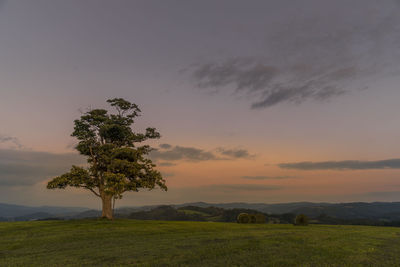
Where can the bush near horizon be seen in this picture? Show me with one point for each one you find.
(251, 218)
(243, 218)
(260, 218)
(301, 220)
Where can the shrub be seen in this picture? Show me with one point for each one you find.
(301, 220)
(260, 218)
(272, 220)
(243, 218)
(252, 218)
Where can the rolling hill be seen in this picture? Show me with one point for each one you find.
(338, 213)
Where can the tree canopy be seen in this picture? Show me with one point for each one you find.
(117, 161)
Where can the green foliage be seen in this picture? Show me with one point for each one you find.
(301, 220)
(243, 218)
(76, 177)
(252, 218)
(260, 218)
(116, 161)
(230, 215)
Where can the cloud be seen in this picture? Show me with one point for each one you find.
(175, 153)
(235, 153)
(273, 84)
(182, 153)
(312, 56)
(165, 146)
(6, 139)
(343, 165)
(268, 82)
(266, 177)
(22, 168)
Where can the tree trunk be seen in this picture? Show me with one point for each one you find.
(107, 211)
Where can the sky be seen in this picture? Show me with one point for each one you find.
(256, 101)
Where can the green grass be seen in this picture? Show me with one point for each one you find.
(158, 243)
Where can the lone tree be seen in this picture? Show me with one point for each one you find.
(116, 161)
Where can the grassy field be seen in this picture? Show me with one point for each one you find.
(158, 243)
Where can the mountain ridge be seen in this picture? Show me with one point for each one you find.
(346, 210)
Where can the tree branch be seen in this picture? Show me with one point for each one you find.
(94, 192)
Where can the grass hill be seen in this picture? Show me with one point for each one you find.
(161, 243)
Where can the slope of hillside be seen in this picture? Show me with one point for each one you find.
(160, 243)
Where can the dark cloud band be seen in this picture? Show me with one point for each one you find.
(169, 153)
(22, 168)
(235, 153)
(266, 177)
(343, 165)
(175, 153)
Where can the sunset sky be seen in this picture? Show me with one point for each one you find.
(256, 101)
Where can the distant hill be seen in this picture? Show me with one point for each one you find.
(9, 211)
(193, 213)
(354, 210)
(87, 214)
(376, 210)
(34, 216)
(374, 213)
(262, 207)
(340, 215)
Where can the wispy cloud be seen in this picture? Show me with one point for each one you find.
(165, 146)
(7, 139)
(235, 153)
(343, 165)
(271, 83)
(266, 177)
(312, 56)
